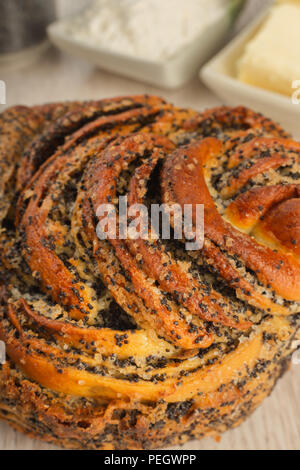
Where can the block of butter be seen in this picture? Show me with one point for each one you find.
(271, 59)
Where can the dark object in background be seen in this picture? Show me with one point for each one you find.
(23, 23)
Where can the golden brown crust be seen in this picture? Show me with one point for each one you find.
(133, 344)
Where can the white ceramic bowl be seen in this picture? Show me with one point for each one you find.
(172, 73)
(220, 76)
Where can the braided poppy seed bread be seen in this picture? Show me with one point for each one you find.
(139, 344)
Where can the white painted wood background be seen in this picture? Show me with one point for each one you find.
(276, 424)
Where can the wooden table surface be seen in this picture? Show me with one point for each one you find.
(276, 424)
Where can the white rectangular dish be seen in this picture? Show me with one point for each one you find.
(172, 73)
(220, 76)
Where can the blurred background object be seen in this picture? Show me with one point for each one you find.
(160, 43)
(251, 9)
(23, 26)
(70, 7)
(260, 67)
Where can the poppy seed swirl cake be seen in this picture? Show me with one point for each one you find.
(140, 344)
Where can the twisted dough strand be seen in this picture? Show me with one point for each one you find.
(141, 337)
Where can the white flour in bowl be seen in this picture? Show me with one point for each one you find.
(147, 29)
